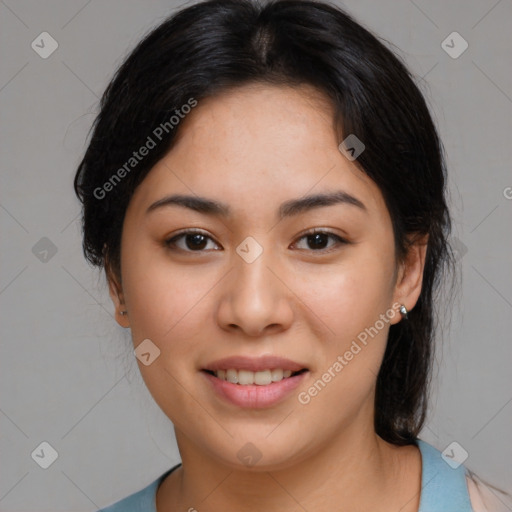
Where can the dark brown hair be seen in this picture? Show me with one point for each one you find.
(211, 46)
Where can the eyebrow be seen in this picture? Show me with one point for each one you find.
(287, 209)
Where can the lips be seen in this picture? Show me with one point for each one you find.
(254, 382)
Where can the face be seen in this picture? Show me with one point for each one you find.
(258, 274)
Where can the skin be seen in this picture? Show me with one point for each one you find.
(253, 148)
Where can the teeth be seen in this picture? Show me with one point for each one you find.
(262, 378)
(246, 377)
(232, 376)
(277, 374)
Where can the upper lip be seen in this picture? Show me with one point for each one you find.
(254, 364)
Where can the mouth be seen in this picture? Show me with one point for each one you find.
(259, 378)
(254, 383)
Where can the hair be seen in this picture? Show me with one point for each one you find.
(217, 45)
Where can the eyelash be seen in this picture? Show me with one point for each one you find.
(170, 243)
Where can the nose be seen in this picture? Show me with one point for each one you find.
(255, 298)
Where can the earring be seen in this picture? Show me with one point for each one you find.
(403, 312)
(123, 312)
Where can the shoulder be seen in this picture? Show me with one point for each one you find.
(140, 501)
(448, 485)
(443, 482)
(486, 498)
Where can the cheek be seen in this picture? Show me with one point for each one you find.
(167, 304)
(171, 308)
(352, 346)
(350, 297)
(349, 300)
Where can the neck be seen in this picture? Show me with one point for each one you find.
(356, 471)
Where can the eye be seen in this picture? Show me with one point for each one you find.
(189, 241)
(318, 240)
(197, 241)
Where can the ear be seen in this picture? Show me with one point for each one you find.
(410, 277)
(116, 294)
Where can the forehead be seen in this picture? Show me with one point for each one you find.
(256, 146)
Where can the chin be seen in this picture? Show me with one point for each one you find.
(262, 452)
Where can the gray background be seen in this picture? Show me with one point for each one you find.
(67, 372)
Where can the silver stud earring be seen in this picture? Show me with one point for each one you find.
(403, 312)
(123, 312)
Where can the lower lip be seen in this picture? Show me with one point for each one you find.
(254, 396)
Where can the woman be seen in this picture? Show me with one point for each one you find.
(265, 189)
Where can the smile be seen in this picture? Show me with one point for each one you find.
(259, 378)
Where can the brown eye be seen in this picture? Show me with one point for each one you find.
(318, 241)
(189, 241)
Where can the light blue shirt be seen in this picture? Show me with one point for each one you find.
(443, 489)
